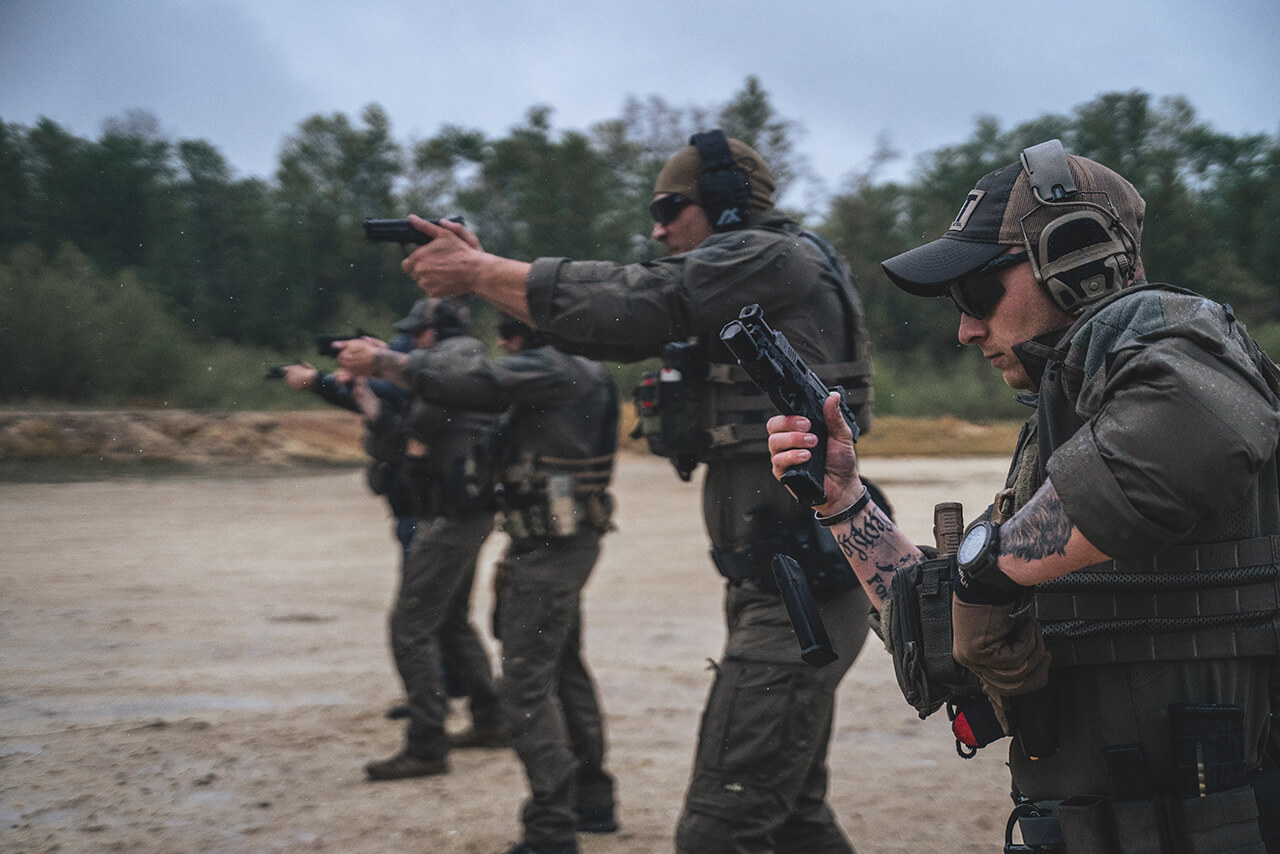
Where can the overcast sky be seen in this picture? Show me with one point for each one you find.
(242, 74)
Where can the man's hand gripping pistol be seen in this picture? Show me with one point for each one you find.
(774, 366)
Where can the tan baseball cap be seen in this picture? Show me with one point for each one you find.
(1002, 211)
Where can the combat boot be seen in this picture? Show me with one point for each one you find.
(596, 819)
(526, 848)
(405, 765)
(481, 736)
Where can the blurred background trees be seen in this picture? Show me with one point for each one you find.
(136, 270)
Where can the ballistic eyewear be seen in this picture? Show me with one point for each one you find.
(978, 293)
(665, 210)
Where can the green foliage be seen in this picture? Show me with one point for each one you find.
(961, 384)
(139, 269)
(68, 333)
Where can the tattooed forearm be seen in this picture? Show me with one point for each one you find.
(878, 586)
(1040, 529)
(863, 533)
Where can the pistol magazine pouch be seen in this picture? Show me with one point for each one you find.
(552, 498)
(693, 409)
(915, 624)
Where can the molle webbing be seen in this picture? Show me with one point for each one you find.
(739, 409)
(1218, 600)
(590, 474)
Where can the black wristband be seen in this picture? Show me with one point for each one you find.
(847, 513)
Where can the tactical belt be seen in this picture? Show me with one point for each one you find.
(739, 409)
(1219, 600)
(821, 560)
(553, 497)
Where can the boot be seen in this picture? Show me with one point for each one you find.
(481, 736)
(526, 848)
(596, 819)
(404, 765)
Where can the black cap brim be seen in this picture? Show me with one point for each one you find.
(927, 270)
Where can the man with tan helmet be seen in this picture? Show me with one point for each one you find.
(760, 776)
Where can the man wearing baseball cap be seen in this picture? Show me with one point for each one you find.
(759, 781)
(447, 455)
(1127, 574)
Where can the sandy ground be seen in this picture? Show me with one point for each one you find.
(198, 664)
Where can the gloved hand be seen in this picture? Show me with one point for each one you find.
(980, 581)
(1001, 644)
(971, 590)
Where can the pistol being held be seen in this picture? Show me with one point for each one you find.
(325, 344)
(400, 231)
(773, 364)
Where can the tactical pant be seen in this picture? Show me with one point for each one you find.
(759, 781)
(553, 713)
(431, 615)
(1101, 706)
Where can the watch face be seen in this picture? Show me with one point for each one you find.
(972, 545)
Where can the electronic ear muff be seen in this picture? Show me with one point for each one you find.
(1084, 254)
(723, 186)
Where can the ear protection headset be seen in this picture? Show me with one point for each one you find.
(724, 188)
(1083, 254)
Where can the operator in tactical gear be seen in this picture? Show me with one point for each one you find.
(385, 406)
(553, 467)
(759, 780)
(446, 462)
(1128, 571)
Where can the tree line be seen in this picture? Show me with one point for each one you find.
(136, 269)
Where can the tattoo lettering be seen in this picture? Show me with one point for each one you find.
(859, 539)
(878, 585)
(1042, 528)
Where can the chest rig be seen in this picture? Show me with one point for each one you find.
(1216, 598)
(701, 404)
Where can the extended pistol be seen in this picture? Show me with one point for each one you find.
(325, 343)
(400, 231)
(773, 364)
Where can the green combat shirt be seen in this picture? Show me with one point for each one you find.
(1176, 422)
(1158, 427)
(627, 312)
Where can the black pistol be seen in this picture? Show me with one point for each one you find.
(325, 343)
(400, 231)
(773, 364)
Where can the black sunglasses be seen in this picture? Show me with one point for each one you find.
(978, 293)
(665, 210)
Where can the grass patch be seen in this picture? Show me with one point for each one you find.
(899, 436)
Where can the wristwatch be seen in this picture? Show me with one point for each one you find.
(976, 557)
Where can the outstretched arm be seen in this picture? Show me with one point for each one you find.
(455, 263)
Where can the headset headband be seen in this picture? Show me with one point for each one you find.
(723, 186)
